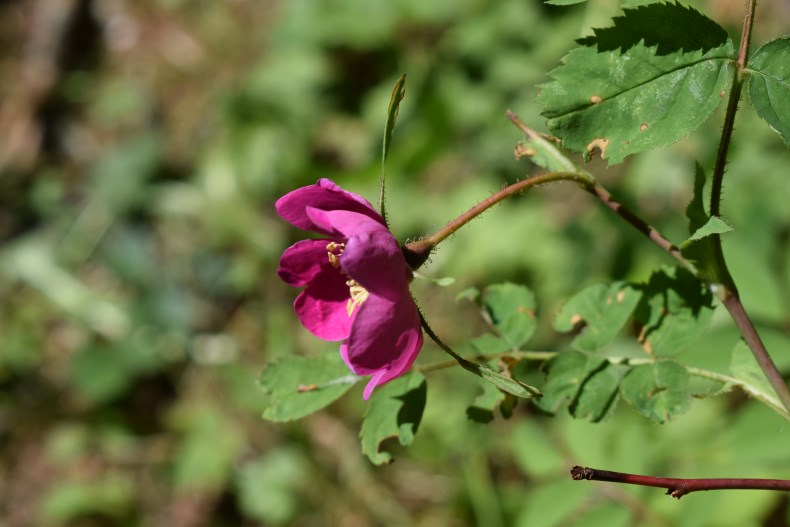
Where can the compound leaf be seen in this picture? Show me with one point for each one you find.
(395, 411)
(512, 310)
(604, 309)
(658, 391)
(674, 312)
(564, 377)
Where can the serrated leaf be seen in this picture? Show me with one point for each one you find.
(769, 85)
(604, 309)
(647, 96)
(671, 27)
(744, 367)
(565, 374)
(658, 391)
(398, 93)
(598, 394)
(395, 411)
(297, 386)
(715, 225)
(482, 409)
(703, 251)
(674, 312)
(512, 310)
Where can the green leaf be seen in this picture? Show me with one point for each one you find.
(482, 409)
(663, 84)
(701, 249)
(674, 312)
(657, 391)
(564, 2)
(512, 310)
(670, 27)
(564, 377)
(715, 225)
(398, 93)
(298, 386)
(744, 367)
(503, 382)
(597, 397)
(769, 85)
(488, 344)
(604, 309)
(395, 410)
(543, 151)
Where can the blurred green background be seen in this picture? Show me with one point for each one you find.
(142, 146)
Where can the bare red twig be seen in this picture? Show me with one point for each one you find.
(678, 487)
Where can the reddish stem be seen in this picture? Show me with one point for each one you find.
(677, 488)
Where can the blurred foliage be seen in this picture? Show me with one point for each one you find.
(142, 145)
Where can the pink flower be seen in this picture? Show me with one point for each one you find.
(356, 281)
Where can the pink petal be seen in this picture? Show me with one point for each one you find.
(303, 261)
(321, 307)
(324, 195)
(372, 255)
(385, 340)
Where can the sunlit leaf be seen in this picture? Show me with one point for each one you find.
(603, 309)
(512, 310)
(674, 312)
(297, 386)
(769, 85)
(657, 391)
(394, 411)
(565, 374)
(627, 91)
(597, 397)
(744, 367)
(482, 409)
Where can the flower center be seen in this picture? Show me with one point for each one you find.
(358, 293)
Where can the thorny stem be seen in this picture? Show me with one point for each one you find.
(728, 293)
(732, 108)
(676, 487)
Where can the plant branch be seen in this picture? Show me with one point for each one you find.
(677, 488)
(732, 108)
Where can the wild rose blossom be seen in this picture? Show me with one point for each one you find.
(356, 281)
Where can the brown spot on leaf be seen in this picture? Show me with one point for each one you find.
(596, 99)
(523, 150)
(643, 127)
(721, 93)
(575, 319)
(600, 143)
(620, 296)
(306, 388)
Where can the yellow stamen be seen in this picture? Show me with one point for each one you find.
(358, 295)
(333, 252)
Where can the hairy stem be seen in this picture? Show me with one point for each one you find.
(677, 487)
(732, 108)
